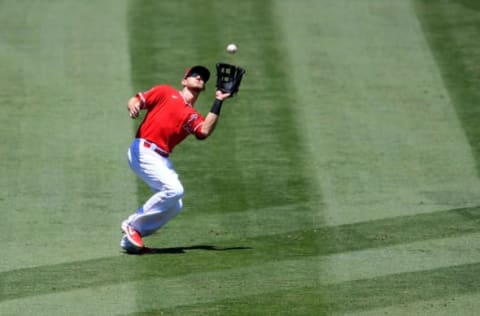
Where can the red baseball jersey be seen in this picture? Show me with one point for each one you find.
(169, 119)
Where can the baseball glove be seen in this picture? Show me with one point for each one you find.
(229, 78)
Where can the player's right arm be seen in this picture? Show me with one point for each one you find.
(134, 106)
(145, 100)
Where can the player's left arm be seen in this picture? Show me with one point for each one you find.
(212, 117)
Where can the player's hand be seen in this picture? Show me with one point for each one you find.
(133, 111)
(222, 95)
(133, 107)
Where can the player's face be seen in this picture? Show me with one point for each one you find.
(195, 81)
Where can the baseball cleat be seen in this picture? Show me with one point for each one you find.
(129, 247)
(132, 235)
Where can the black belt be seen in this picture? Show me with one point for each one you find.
(155, 149)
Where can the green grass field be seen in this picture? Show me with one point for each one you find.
(343, 179)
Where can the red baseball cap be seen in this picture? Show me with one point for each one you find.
(202, 71)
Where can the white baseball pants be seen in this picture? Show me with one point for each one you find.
(157, 171)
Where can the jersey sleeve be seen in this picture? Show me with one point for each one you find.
(151, 97)
(194, 123)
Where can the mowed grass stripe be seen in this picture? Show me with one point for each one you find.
(397, 262)
(369, 234)
(375, 111)
(415, 271)
(369, 297)
(64, 172)
(254, 160)
(223, 251)
(212, 228)
(385, 132)
(450, 28)
(468, 304)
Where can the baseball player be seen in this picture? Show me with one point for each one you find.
(170, 118)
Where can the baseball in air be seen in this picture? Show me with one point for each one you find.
(232, 48)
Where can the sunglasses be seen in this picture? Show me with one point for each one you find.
(195, 74)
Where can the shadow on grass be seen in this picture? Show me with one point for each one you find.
(181, 250)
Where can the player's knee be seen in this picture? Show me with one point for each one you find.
(176, 191)
(179, 191)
